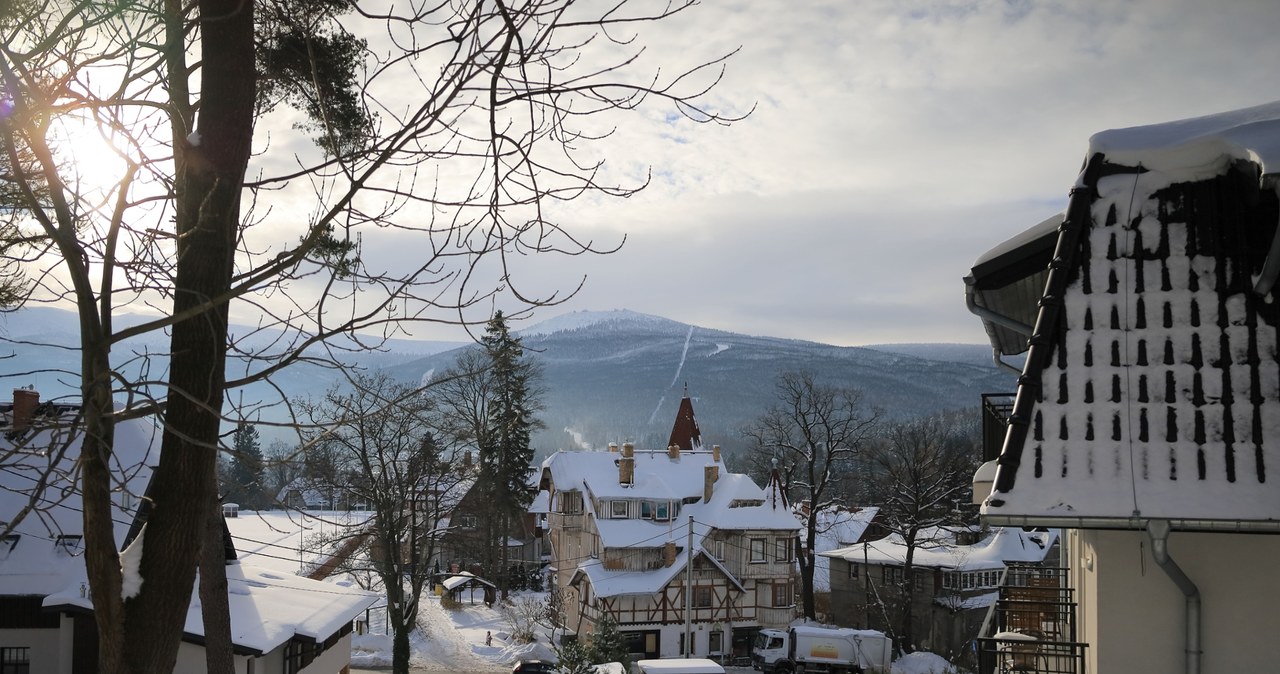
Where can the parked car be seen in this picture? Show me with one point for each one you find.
(534, 667)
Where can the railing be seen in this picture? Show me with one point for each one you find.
(996, 408)
(1031, 627)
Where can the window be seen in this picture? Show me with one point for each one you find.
(757, 550)
(781, 595)
(853, 570)
(719, 550)
(715, 643)
(782, 550)
(662, 511)
(702, 597)
(646, 510)
(571, 502)
(69, 544)
(891, 574)
(618, 509)
(467, 521)
(15, 660)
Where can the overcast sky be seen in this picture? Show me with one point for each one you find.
(892, 143)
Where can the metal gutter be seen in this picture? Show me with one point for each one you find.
(1134, 523)
(970, 300)
(1158, 531)
(1046, 327)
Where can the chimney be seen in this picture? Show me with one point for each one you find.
(25, 401)
(668, 553)
(613, 448)
(674, 452)
(626, 470)
(715, 453)
(709, 476)
(466, 460)
(628, 449)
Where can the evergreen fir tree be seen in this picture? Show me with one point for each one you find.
(245, 474)
(609, 645)
(505, 451)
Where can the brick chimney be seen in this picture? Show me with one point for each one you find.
(674, 452)
(715, 453)
(709, 476)
(466, 460)
(25, 401)
(613, 448)
(668, 553)
(627, 471)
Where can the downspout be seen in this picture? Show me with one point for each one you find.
(1158, 531)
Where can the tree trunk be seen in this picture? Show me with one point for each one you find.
(207, 220)
(214, 600)
(400, 632)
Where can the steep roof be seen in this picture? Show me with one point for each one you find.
(684, 432)
(1158, 395)
(46, 553)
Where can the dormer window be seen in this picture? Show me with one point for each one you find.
(662, 511)
(69, 544)
(618, 509)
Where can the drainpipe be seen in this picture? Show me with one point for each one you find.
(970, 300)
(1158, 531)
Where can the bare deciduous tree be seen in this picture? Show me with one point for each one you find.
(814, 432)
(922, 468)
(463, 126)
(380, 437)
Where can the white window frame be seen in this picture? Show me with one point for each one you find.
(758, 551)
(719, 550)
(619, 513)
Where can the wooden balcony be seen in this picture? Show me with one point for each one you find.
(1032, 627)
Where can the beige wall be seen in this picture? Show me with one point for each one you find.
(46, 650)
(1133, 616)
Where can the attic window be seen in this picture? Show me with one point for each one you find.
(618, 509)
(69, 544)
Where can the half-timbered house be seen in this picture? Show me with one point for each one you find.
(671, 545)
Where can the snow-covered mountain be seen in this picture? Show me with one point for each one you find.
(612, 376)
(609, 376)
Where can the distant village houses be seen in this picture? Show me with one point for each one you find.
(624, 526)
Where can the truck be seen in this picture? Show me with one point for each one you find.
(802, 649)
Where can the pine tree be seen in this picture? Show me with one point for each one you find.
(245, 474)
(609, 645)
(505, 451)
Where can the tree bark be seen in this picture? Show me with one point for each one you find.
(215, 606)
(207, 221)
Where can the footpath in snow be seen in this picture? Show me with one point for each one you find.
(450, 640)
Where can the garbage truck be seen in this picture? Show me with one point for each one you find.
(816, 648)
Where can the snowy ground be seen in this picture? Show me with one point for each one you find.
(447, 640)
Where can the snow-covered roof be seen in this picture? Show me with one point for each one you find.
(541, 504)
(1001, 545)
(47, 554)
(1161, 396)
(736, 501)
(837, 527)
(1189, 145)
(267, 607)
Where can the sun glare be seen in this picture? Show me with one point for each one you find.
(92, 161)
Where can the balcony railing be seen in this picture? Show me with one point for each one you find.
(996, 408)
(1032, 627)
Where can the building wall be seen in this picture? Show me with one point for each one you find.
(47, 653)
(1133, 616)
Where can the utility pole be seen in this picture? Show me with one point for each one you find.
(688, 593)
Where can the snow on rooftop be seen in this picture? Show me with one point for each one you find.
(837, 527)
(46, 555)
(1003, 544)
(1252, 134)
